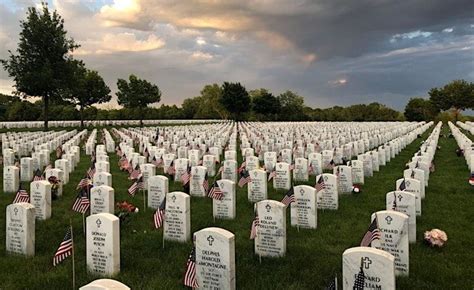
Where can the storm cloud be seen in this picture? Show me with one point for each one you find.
(333, 52)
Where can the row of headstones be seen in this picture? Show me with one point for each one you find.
(178, 214)
(194, 135)
(465, 144)
(468, 126)
(34, 146)
(388, 256)
(12, 175)
(95, 123)
(276, 140)
(214, 247)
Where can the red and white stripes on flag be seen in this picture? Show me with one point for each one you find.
(253, 229)
(65, 248)
(244, 178)
(320, 185)
(21, 196)
(159, 216)
(242, 166)
(216, 192)
(372, 234)
(84, 183)
(289, 197)
(91, 171)
(135, 173)
(190, 278)
(185, 177)
(82, 203)
(271, 175)
(136, 186)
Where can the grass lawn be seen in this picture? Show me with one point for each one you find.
(313, 256)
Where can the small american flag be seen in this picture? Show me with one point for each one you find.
(331, 164)
(21, 196)
(38, 175)
(84, 183)
(320, 185)
(135, 173)
(185, 177)
(221, 169)
(333, 284)
(253, 229)
(242, 167)
(59, 152)
(146, 154)
(118, 151)
(244, 178)
(91, 170)
(271, 175)
(432, 167)
(65, 248)
(190, 278)
(394, 204)
(372, 234)
(82, 203)
(216, 192)
(205, 184)
(159, 215)
(402, 185)
(138, 184)
(171, 170)
(289, 197)
(155, 161)
(359, 282)
(123, 163)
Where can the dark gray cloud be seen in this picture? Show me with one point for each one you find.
(333, 52)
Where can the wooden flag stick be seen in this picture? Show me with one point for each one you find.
(163, 234)
(144, 200)
(73, 262)
(84, 222)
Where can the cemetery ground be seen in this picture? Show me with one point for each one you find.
(313, 256)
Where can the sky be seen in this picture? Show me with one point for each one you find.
(332, 52)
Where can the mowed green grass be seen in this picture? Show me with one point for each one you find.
(313, 256)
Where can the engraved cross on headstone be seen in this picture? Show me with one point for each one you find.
(366, 261)
(173, 198)
(389, 219)
(98, 222)
(400, 197)
(210, 239)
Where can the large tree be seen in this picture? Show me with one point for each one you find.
(264, 104)
(458, 96)
(292, 106)
(87, 88)
(235, 99)
(419, 109)
(137, 94)
(40, 65)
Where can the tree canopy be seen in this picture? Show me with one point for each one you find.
(137, 93)
(235, 99)
(40, 66)
(87, 88)
(419, 109)
(458, 95)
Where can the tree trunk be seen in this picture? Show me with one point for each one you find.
(45, 111)
(81, 110)
(141, 116)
